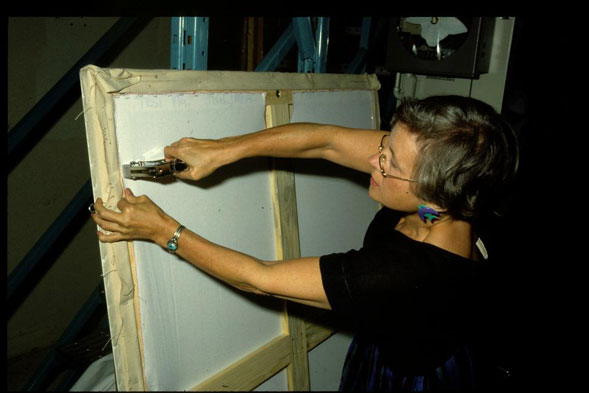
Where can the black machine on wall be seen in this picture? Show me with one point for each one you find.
(441, 46)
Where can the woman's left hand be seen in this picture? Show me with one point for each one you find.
(140, 218)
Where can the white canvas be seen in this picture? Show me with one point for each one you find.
(194, 325)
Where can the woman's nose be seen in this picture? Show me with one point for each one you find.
(373, 160)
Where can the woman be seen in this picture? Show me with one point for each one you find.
(416, 281)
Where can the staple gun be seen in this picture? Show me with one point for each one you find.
(153, 169)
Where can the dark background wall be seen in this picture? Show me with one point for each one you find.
(543, 234)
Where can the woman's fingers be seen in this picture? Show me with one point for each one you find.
(201, 155)
(170, 152)
(105, 213)
(129, 194)
(107, 219)
(107, 225)
(176, 150)
(139, 218)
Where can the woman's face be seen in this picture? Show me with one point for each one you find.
(400, 152)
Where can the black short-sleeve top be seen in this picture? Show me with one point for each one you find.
(414, 299)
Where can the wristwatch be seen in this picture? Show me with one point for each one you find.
(172, 245)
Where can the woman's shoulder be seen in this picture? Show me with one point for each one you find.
(454, 237)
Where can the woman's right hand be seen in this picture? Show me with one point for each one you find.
(203, 156)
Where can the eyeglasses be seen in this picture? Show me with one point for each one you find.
(381, 160)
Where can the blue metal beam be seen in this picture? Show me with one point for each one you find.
(280, 49)
(306, 42)
(312, 47)
(358, 64)
(365, 32)
(176, 44)
(321, 44)
(189, 46)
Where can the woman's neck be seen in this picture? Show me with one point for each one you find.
(451, 235)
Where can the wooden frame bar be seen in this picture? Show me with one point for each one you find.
(286, 222)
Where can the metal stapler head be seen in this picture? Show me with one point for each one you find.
(153, 169)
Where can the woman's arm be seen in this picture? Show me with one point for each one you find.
(345, 146)
(297, 280)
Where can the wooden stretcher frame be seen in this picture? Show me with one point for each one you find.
(299, 336)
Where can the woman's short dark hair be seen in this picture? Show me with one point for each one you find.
(467, 152)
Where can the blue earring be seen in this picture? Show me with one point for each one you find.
(427, 213)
